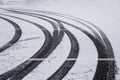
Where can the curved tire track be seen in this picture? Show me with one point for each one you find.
(18, 33)
(59, 71)
(55, 38)
(67, 65)
(55, 41)
(105, 69)
(44, 49)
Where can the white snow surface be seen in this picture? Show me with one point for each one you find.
(7, 32)
(30, 42)
(103, 13)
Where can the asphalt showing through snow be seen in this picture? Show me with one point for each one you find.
(105, 68)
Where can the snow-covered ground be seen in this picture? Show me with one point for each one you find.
(6, 32)
(30, 42)
(103, 13)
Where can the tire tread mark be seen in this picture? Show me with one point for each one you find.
(67, 65)
(18, 33)
(55, 41)
(44, 49)
(108, 66)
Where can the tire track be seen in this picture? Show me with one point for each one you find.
(78, 20)
(18, 33)
(56, 40)
(99, 47)
(59, 39)
(73, 54)
(67, 65)
(105, 69)
(59, 71)
(44, 49)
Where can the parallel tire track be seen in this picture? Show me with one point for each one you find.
(55, 41)
(105, 69)
(18, 33)
(44, 49)
(67, 65)
(59, 71)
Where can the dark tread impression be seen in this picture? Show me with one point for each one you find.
(105, 69)
(16, 37)
(40, 53)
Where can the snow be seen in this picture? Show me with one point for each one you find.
(103, 13)
(52, 63)
(24, 48)
(84, 68)
(7, 32)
